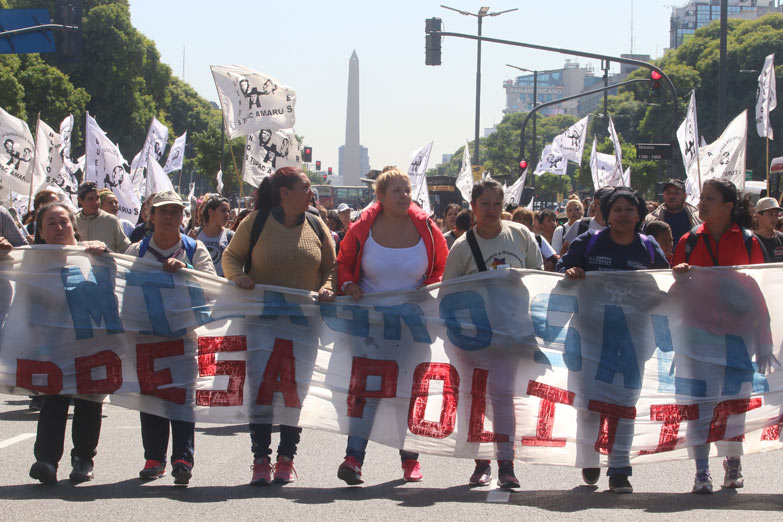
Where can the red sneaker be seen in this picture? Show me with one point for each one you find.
(262, 472)
(482, 474)
(284, 470)
(411, 470)
(350, 471)
(153, 469)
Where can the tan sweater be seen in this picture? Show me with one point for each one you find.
(102, 227)
(293, 258)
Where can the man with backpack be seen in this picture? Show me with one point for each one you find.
(175, 251)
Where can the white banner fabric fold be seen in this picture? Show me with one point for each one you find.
(16, 155)
(464, 181)
(267, 151)
(766, 97)
(513, 194)
(417, 172)
(725, 157)
(48, 162)
(688, 136)
(157, 179)
(572, 142)
(503, 360)
(618, 151)
(252, 101)
(154, 144)
(176, 154)
(219, 179)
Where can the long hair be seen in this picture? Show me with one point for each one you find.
(38, 240)
(740, 210)
(268, 193)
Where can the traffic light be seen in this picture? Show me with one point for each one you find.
(522, 166)
(68, 41)
(307, 155)
(432, 26)
(655, 84)
(318, 165)
(330, 170)
(324, 176)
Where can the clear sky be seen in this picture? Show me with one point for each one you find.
(405, 104)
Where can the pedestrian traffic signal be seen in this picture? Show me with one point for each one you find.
(655, 84)
(432, 41)
(307, 155)
(317, 165)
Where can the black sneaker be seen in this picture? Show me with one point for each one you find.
(181, 471)
(44, 472)
(482, 474)
(82, 470)
(506, 477)
(591, 475)
(620, 484)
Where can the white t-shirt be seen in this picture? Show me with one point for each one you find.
(391, 269)
(201, 260)
(574, 230)
(557, 237)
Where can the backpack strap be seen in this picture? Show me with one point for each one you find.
(316, 225)
(145, 242)
(258, 227)
(470, 236)
(650, 248)
(593, 240)
(747, 236)
(584, 226)
(690, 243)
(190, 246)
(538, 240)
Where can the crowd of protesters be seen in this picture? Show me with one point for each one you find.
(392, 245)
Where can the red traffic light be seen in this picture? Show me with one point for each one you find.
(318, 165)
(523, 164)
(655, 75)
(324, 177)
(330, 171)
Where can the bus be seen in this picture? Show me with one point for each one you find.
(356, 197)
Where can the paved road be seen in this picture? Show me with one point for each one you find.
(219, 489)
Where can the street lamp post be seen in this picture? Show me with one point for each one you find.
(482, 12)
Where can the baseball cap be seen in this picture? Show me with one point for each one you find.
(767, 204)
(342, 207)
(675, 183)
(168, 197)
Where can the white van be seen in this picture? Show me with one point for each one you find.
(753, 190)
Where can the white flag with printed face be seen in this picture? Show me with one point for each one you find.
(552, 161)
(66, 129)
(105, 165)
(571, 143)
(157, 179)
(267, 151)
(603, 169)
(154, 145)
(220, 182)
(766, 97)
(725, 157)
(687, 135)
(176, 154)
(48, 156)
(16, 156)
(464, 181)
(417, 172)
(513, 195)
(252, 101)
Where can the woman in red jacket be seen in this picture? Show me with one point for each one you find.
(723, 239)
(394, 246)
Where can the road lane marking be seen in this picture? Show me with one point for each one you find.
(498, 496)
(13, 440)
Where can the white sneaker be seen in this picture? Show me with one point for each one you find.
(733, 477)
(703, 483)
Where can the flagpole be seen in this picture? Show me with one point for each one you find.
(698, 169)
(236, 169)
(32, 174)
(767, 140)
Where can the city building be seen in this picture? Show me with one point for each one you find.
(561, 83)
(354, 160)
(698, 13)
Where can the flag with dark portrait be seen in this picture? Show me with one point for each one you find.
(267, 151)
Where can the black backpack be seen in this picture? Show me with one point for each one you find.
(584, 225)
(258, 227)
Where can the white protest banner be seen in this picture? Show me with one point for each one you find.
(219, 179)
(571, 143)
(603, 168)
(464, 181)
(627, 177)
(725, 157)
(552, 161)
(766, 97)
(417, 172)
(502, 360)
(513, 194)
(176, 154)
(618, 153)
(157, 179)
(66, 130)
(267, 151)
(252, 101)
(687, 137)
(105, 165)
(48, 162)
(16, 156)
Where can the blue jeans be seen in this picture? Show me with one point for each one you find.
(357, 446)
